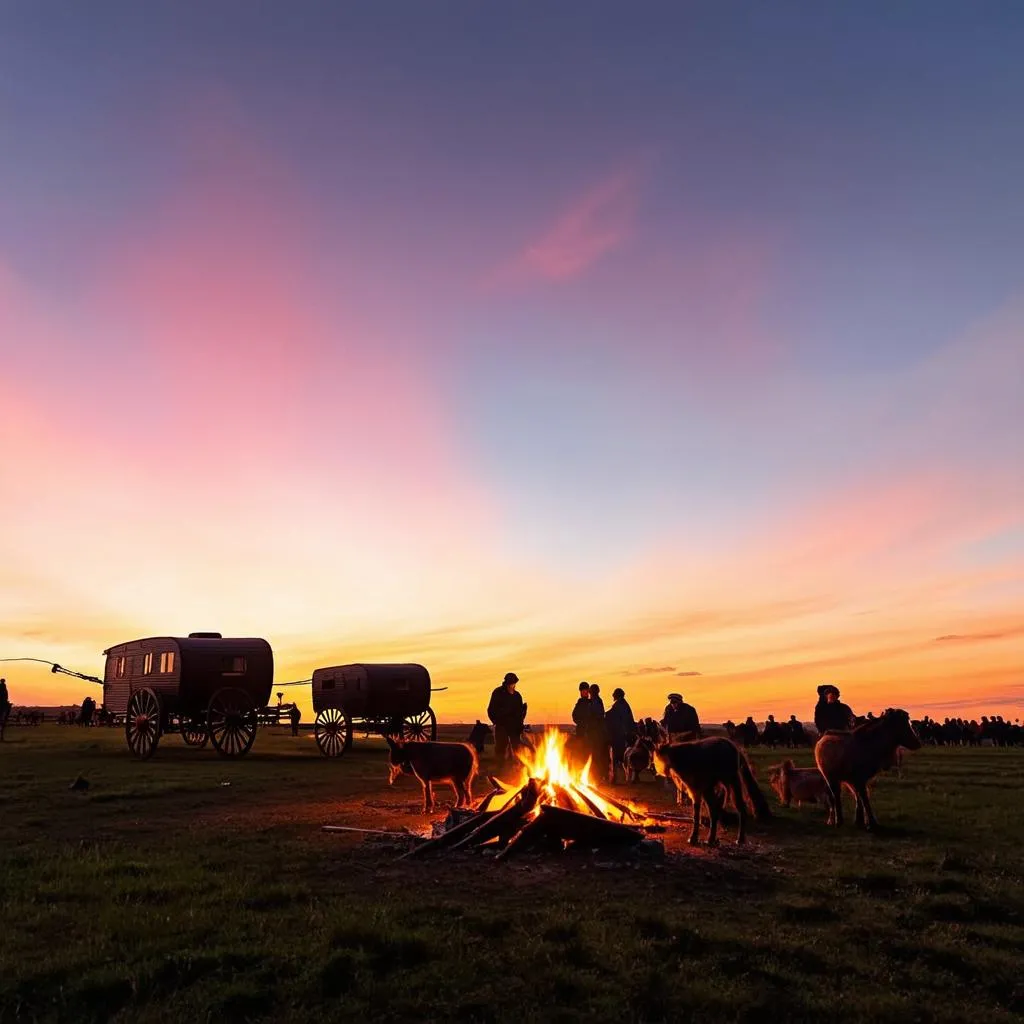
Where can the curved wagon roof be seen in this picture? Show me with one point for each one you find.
(206, 642)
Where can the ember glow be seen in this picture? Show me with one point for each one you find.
(563, 786)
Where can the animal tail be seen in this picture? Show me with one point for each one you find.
(761, 809)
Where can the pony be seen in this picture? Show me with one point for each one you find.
(704, 768)
(853, 759)
(804, 785)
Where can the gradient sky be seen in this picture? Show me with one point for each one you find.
(664, 345)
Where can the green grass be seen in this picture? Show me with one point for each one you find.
(190, 887)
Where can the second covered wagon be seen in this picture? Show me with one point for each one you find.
(393, 700)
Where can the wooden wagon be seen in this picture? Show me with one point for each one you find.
(392, 700)
(207, 687)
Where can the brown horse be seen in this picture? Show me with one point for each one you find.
(854, 758)
(704, 768)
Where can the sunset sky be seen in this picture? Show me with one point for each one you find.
(664, 345)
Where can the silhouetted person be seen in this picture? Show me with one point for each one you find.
(597, 734)
(680, 721)
(797, 736)
(87, 711)
(621, 729)
(5, 706)
(582, 710)
(507, 713)
(478, 736)
(830, 712)
(296, 716)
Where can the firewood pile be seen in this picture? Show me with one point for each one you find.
(554, 810)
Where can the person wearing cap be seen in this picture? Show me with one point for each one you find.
(830, 713)
(582, 710)
(621, 729)
(507, 713)
(680, 721)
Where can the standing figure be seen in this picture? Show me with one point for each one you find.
(478, 736)
(507, 713)
(831, 714)
(597, 738)
(296, 716)
(87, 711)
(5, 707)
(581, 710)
(621, 731)
(680, 721)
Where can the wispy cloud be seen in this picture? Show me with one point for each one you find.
(977, 638)
(688, 673)
(588, 229)
(649, 670)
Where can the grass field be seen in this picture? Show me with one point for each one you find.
(190, 887)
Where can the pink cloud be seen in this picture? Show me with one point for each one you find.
(590, 228)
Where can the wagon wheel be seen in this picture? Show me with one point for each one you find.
(142, 723)
(333, 731)
(422, 726)
(194, 732)
(231, 722)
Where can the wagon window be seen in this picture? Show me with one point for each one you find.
(120, 664)
(233, 665)
(147, 664)
(327, 684)
(167, 661)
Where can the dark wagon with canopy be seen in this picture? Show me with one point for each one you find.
(393, 700)
(207, 687)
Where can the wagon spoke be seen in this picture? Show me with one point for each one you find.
(232, 721)
(332, 731)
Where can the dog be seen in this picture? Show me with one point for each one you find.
(704, 768)
(804, 785)
(454, 763)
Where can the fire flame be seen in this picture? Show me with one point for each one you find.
(562, 784)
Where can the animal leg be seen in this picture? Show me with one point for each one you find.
(428, 796)
(860, 808)
(835, 789)
(870, 821)
(741, 810)
(698, 799)
(715, 802)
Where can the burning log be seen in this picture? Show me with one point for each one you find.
(587, 829)
(498, 789)
(529, 835)
(505, 822)
(591, 806)
(452, 836)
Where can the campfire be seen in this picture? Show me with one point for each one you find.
(555, 808)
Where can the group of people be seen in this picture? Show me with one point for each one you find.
(602, 734)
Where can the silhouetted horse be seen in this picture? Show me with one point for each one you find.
(706, 768)
(854, 758)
